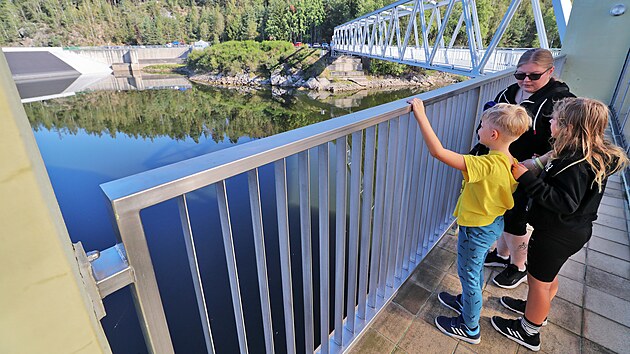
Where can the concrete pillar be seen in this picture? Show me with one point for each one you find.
(135, 62)
(44, 307)
(596, 45)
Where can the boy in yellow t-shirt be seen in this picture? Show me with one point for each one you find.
(486, 195)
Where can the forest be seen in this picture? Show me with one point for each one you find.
(146, 22)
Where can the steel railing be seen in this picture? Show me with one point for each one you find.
(399, 202)
(620, 111)
(414, 32)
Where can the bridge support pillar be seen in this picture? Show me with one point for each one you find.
(596, 45)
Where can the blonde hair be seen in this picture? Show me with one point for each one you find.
(581, 123)
(509, 119)
(539, 56)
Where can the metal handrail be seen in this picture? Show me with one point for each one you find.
(396, 231)
(620, 112)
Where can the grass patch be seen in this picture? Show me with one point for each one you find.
(164, 68)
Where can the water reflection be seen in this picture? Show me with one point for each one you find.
(57, 87)
(199, 112)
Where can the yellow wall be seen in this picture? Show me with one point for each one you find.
(42, 307)
(596, 45)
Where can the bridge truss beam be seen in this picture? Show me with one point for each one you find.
(404, 32)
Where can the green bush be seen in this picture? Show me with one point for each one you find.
(382, 67)
(237, 57)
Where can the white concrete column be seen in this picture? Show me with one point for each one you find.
(44, 307)
(596, 44)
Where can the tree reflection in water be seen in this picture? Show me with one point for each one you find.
(197, 112)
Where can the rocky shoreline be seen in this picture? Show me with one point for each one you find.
(296, 81)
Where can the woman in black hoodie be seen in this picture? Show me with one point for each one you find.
(537, 91)
(564, 203)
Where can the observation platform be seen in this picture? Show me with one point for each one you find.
(590, 314)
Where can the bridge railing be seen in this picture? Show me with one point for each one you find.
(455, 60)
(391, 202)
(620, 112)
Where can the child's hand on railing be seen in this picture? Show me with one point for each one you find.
(416, 104)
(518, 169)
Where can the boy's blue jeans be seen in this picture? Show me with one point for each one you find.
(472, 245)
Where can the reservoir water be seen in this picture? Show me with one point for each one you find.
(95, 137)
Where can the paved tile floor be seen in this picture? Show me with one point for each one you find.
(590, 314)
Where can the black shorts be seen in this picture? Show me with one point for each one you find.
(549, 250)
(516, 218)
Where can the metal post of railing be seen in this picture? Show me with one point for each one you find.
(379, 213)
(366, 217)
(228, 244)
(388, 237)
(307, 255)
(145, 291)
(194, 270)
(340, 236)
(261, 258)
(284, 252)
(410, 192)
(324, 251)
(353, 239)
(396, 240)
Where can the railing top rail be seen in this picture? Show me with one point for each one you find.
(151, 187)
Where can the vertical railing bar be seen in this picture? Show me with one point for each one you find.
(449, 172)
(401, 182)
(340, 236)
(438, 205)
(422, 191)
(410, 205)
(438, 121)
(389, 195)
(194, 270)
(366, 219)
(261, 258)
(307, 255)
(452, 104)
(145, 291)
(464, 143)
(324, 247)
(461, 146)
(228, 244)
(438, 201)
(284, 251)
(416, 187)
(353, 242)
(379, 206)
(392, 268)
(427, 159)
(431, 112)
(401, 255)
(458, 116)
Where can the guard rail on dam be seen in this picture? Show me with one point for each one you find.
(368, 173)
(134, 55)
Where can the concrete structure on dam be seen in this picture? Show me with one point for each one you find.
(48, 72)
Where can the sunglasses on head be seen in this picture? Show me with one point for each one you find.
(531, 76)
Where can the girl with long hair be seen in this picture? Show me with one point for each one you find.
(564, 201)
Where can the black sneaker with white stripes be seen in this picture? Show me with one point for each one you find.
(514, 331)
(452, 302)
(456, 328)
(516, 305)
